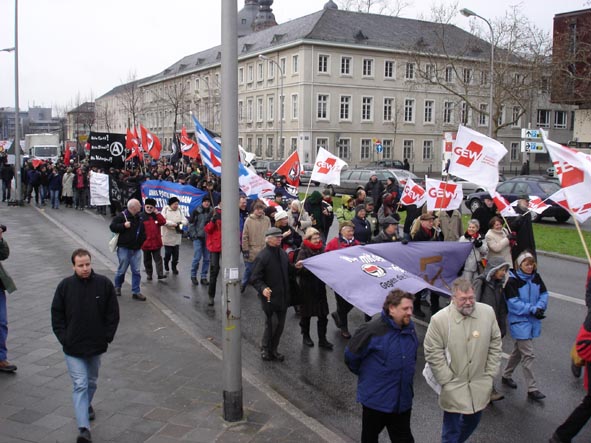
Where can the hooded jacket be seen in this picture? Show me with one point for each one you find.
(490, 291)
(345, 213)
(525, 293)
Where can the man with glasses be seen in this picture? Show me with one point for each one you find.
(463, 348)
(151, 247)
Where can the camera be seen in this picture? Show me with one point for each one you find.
(3, 227)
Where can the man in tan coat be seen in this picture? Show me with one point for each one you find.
(253, 239)
(463, 348)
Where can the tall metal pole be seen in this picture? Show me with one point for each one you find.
(17, 132)
(231, 328)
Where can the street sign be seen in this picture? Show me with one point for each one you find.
(534, 147)
(535, 134)
(379, 148)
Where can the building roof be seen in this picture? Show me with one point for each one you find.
(349, 28)
(121, 88)
(86, 107)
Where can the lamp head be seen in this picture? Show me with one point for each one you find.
(263, 57)
(467, 13)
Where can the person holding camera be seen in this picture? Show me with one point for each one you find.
(6, 285)
(172, 233)
(527, 301)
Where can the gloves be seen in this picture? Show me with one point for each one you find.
(404, 241)
(539, 314)
(478, 243)
(513, 236)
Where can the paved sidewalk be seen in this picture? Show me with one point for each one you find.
(159, 382)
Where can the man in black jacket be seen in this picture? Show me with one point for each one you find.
(132, 235)
(84, 318)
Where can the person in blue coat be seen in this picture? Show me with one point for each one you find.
(527, 301)
(383, 353)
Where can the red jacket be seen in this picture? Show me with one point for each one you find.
(152, 223)
(213, 236)
(583, 345)
(338, 243)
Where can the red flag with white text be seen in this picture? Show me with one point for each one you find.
(291, 169)
(443, 196)
(581, 214)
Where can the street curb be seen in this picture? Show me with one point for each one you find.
(562, 257)
(311, 423)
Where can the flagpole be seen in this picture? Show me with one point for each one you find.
(582, 238)
(307, 189)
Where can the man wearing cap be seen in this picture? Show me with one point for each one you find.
(172, 233)
(522, 229)
(389, 231)
(153, 221)
(484, 213)
(132, 235)
(270, 277)
(427, 231)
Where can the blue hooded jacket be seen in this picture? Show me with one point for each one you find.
(525, 293)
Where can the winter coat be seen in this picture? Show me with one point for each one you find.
(300, 221)
(451, 226)
(85, 314)
(375, 191)
(132, 237)
(33, 177)
(583, 345)
(170, 234)
(200, 217)
(525, 293)
(430, 235)
(362, 230)
(312, 289)
(474, 344)
(339, 243)
(483, 214)
(384, 356)
(345, 213)
(271, 270)
(55, 182)
(152, 225)
(213, 237)
(498, 245)
(522, 226)
(490, 291)
(253, 236)
(6, 173)
(474, 258)
(382, 237)
(5, 280)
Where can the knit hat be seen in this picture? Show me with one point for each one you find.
(150, 201)
(279, 215)
(310, 232)
(273, 232)
(521, 257)
(172, 200)
(206, 198)
(359, 208)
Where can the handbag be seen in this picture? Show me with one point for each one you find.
(428, 372)
(115, 239)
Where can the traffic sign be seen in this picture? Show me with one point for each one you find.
(379, 148)
(535, 134)
(534, 147)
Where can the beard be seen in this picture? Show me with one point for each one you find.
(466, 310)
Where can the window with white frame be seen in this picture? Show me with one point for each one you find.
(366, 109)
(464, 113)
(449, 74)
(249, 144)
(365, 148)
(409, 71)
(321, 142)
(448, 112)
(367, 70)
(260, 72)
(429, 111)
(295, 60)
(259, 149)
(260, 109)
(345, 108)
(430, 74)
(270, 108)
(484, 78)
(197, 82)
(249, 110)
(516, 117)
(543, 120)
(467, 75)
(293, 144)
(282, 107)
(388, 114)
(346, 65)
(409, 110)
(250, 73)
(483, 114)
(344, 148)
(387, 146)
(281, 151)
(501, 117)
(323, 63)
(560, 119)
(407, 148)
(514, 151)
(270, 70)
(240, 110)
(322, 107)
(427, 149)
(389, 69)
(282, 65)
(295, 106)
(269, 151)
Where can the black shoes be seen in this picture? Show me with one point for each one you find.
(84, 436)
(277, 356)
(576, 370)
(204, 281)
(163, 276)
(265, 355)
(118, 292)
(175, 271)
(270, 356)
(139, 296)
(211, 301)
(324, 343)
(307, 340)
(166, 268)
(91, 414)
(242, 288)
(194, 281)
(509, 382)
(536, 395)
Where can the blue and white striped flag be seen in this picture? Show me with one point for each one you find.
(211, 151)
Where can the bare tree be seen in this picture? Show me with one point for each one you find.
(104, 116)
(174, 95)
(131, 100)
(384, 7)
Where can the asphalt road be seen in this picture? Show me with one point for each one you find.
(318, 382)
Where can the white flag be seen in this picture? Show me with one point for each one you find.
(503, 205)
(253, 185)
(443, 196)
(475, 157)
(327, 168)
(581, 214)
(99, 189)
(413, 194)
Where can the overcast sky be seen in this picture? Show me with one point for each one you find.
(73, 48)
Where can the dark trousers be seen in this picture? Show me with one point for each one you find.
(398, 426)
(274, 324)
(157, 257)
(321, 326)
(576, 420)
(343, 309)
(171, 252)
(6, 189)
(30, 189)
(214, 270)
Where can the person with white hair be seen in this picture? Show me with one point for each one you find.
(297, 218)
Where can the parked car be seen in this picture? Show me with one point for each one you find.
(266, 168)
(306, 173)
(353, 179)
(470, 187)
(396, 164)
(525, 184)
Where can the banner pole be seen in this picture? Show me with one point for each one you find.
(307, 189)
(582, 238)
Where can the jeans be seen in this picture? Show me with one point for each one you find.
(457, 428)
(248, 267)
(44, 193)
(199, 250)
(84, 373)
(133, 258)
(3, 325)
(6, 184)
(398, 426)
(55, 198)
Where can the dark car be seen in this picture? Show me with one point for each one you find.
(261, 166)
(526, 184)
(386, 164)
(306, 173)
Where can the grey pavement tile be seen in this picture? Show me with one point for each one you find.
(256, 416)
(203, 435)
(53, 371)
(27, 416)
(162, 439)
(37, 355)
(27, 432)
(175, 431)
(132, 437)
(135, 409)
(147, 426)
(161, 414)
(54, 421)
(7, 411)
(197, 414)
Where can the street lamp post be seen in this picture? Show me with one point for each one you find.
(468, 13)
(280, 101)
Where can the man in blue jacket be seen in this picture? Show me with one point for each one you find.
(383, 353)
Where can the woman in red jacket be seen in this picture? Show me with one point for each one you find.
(213, 243)
(152, 220)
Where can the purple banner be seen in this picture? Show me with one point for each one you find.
(364, 275)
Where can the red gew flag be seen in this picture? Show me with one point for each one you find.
(151, 143)
(189, 147)
(291, 169)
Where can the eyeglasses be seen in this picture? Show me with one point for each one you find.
(462, 300)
